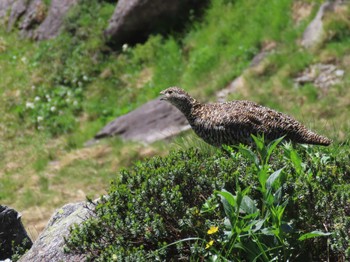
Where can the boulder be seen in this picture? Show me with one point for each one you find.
(50, 27)
(12, 233)
(5, 7)
(134, 20)
(34, 15)
(37, 20)
(322, 76)
(152, 121)
(18, 8)
(314, 34)
(50, 244)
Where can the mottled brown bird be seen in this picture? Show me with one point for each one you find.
(231, 123)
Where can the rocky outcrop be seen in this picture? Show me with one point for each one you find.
(33, 17)
(314, 34)
(152, 121)
(53, 22)
(134, 20)
(36, 20)
(322, 76)
(18, 8)
(50, 244)
(5, 7)
(12, 233)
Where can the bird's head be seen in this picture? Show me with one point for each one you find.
(175, 95)
(179, 98)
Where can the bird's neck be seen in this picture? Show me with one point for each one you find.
(187, 107)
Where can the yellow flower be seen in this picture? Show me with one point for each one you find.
(209, 244)
(212, 230)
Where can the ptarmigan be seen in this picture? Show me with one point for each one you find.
(231, 123)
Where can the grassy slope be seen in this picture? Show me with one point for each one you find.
(44, 164)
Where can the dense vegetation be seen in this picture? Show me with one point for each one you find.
(274, 204)
(56, 94)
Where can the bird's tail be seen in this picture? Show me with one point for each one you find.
(315, 139)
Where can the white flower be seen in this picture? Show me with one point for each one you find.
(40, 118)
(29, 105)
(75, 103)
(125, 47)
(85, 78)
(40, 127)
(37, 98)
(33, 87)
(14, 57)
(24, 59)
(67, 100)
(53, 109)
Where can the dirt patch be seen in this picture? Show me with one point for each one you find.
(301, 10)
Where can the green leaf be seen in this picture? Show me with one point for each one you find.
(273, 177)
(269, 198)
(249, 154)
(277, 196)
(224, 194)
(296, 160)
(259, 142)
(229, 202)
(268, 231)
(258, 224)
(271, 147)
(313, 234)
(262, 177)
(248, 205)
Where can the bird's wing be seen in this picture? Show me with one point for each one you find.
(240, 113)
(248, 115)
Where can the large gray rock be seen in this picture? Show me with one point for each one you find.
(17, 8)
(134, 20)
(34, 15)
(314, 34)
(50, 243)
(53, 22)
(12, 232)
(5, 7)
(34, 18)
(152, 121)
(322, 76)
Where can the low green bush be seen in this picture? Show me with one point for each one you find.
(169, 208)
(153, 205)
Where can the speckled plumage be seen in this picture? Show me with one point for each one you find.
(231, 123)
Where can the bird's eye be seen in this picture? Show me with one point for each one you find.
(170, 92)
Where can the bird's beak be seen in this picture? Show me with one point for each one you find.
(163, 97)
